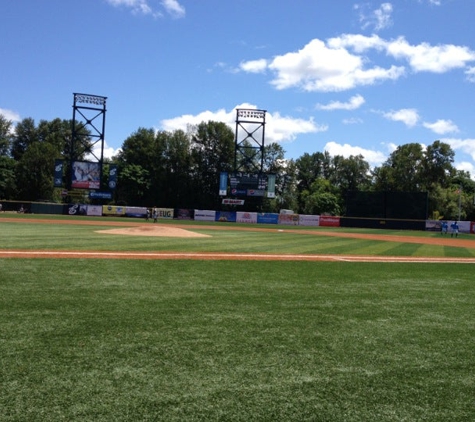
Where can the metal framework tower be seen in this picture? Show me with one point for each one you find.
(249, 140)
(91, 117)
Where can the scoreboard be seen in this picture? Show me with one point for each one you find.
(247, 184)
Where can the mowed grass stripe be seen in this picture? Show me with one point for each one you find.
(179, 340)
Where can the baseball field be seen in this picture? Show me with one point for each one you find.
(107, 319)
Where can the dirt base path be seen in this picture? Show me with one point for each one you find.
(169, 230)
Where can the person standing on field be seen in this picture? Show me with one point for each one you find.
(455, 229)
(444, 227)
(155, 214)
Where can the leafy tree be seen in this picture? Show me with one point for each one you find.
(25, 135)
(212, 153)
(321, 198)
(34, 172)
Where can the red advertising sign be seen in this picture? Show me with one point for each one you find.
(329, 221)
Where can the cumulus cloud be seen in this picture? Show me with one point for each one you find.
(466, 146)
(278, 128)
(353, 103)
(342, 63)
(10, 115)
(109, 151)
(441, 127)
(374, 158)
(408, 116)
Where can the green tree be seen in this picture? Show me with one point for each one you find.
(34, 172)
(212, 152)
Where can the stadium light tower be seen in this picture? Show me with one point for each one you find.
(249, 140)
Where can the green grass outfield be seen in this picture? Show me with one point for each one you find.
(183, 340)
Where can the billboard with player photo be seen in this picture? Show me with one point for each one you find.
(85, 175)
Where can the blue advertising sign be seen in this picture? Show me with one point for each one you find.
(100, 195)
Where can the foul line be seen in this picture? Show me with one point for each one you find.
(225, 256)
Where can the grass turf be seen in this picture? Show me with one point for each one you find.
(218, 340)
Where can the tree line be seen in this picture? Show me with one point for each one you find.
(181, 169)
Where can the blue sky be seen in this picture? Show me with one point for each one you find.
(349, 77)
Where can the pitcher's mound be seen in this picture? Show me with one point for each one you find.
(153, 231)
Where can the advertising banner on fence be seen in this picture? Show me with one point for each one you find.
(329, 221)
(138, 212)
(205, 215)
(94, 210)
(267, 218)
(289, 219)
(309, 220)
(112, 210)
(183, 214)
(229, 216)
(166, 213)
(246, 217)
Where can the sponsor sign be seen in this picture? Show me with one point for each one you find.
(267, 218)
(184, 214)
(246, 217)
(112, 176)
(113, 210)
(229, 201)
(256, 192)
(228, 216)
(223, 183)
(205, 215)
(100, 195)
(139, 212)
(289, 219)
(166, 213)
(238, 192)
(329, 221)
(58, 173)
(86, 175)
(309, 220)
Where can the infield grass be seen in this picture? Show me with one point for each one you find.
(275, 239)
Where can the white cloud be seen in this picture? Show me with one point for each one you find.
(341, 63)
(278, 128)
(466, 146)
(352, 121)
(109, 152)
(319, 67)
(10, 115)
(353, 103)
(408, 116)
(441, 127)
(172, 7)
(374, 158)
(254, 66)
(436, 59)
(466, 166)
(470, 72)
(378, 19)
